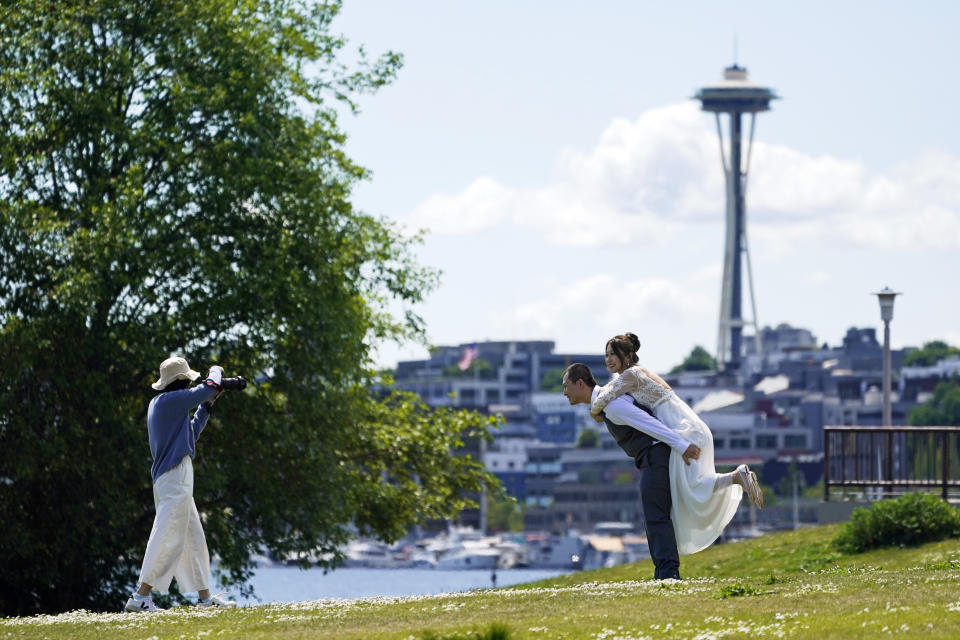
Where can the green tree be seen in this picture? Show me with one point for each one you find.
(930, 354)
(588, 439)
(698, 360)
(552, 380)
(173, 179)
(943, 409)
(504, 514)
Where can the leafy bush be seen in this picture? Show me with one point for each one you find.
(909, 520)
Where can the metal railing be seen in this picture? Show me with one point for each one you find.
(879, 462)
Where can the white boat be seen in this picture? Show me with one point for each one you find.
(470, 559)
(372, 555)
(423, 559)
(512, 554)
(559, 552)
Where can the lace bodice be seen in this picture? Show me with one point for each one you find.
(635, 381)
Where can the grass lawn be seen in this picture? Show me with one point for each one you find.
(788, 585)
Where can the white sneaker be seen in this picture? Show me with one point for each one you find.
(140, 605)
(217, 601)
(748, 480)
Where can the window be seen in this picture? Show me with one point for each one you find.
(767, 442)
(795, 442)
(739, 443)
(719, 443)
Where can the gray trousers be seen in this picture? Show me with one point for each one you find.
(656, 500)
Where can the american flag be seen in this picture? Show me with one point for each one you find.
(469, 355)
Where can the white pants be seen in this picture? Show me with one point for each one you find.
(177, 547)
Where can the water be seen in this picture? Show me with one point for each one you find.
(290, 584)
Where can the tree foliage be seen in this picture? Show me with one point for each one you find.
(698, 360)
(504, 514)
(930, 353)
(552, 380)
(588, 439)
(943, 409)
(173, 180)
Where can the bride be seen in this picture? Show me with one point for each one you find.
(703, 500)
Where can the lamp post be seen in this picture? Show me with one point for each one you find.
(886, 297)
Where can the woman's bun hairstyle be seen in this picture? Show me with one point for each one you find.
(625, 347)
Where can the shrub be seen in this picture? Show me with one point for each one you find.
(909, 520)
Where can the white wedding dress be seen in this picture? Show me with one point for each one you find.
(699, 513)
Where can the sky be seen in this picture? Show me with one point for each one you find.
(571, 188)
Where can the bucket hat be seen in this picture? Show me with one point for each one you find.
(175, 368)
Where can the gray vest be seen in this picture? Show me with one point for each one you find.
(632, 441)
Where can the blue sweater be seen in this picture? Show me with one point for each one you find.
(172, 433)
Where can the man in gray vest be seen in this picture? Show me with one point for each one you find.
(648, 441)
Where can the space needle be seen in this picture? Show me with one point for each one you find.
(735, 96)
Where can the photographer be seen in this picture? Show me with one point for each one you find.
(177, 547)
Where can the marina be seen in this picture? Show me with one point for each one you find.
(290, 584)
(465, 548)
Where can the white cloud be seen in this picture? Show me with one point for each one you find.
(788, 183)
(585, 312)
(656, 165)
(927, 226)
(482, 205)
(651, 178)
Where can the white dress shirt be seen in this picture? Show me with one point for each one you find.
(622, 411)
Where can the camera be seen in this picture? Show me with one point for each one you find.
(234, 384)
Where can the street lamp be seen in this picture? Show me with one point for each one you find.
(886, 297)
